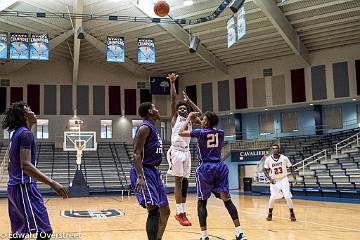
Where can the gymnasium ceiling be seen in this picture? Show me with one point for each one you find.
(319, 24)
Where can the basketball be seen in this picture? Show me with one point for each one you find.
(161, 8)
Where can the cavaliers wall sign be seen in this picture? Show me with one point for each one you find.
(106, 213)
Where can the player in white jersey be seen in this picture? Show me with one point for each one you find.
(179, 156)
(275, 169)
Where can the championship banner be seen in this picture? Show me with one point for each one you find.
(231, 32)
(3, 46)
(115, 50)
(146, 50)
(39, 47)
(248, 156)
(19, 46)
(241, 23)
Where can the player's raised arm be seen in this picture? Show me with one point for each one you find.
(140, 139)
(194, 107)
(172, 77)
(30, 170)
(184, 132)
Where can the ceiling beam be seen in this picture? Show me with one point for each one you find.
(130, 65)
(53, 43)
(4, 4)
(283, 26)
(183, 36)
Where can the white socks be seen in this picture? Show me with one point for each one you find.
(179, 209)
(204, 234)
(238, 230)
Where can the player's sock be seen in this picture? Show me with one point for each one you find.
(179, 208)
(183, 207)
(204, 234)
(291, 210)
(152, 223)
(238, 231)
(270, 210)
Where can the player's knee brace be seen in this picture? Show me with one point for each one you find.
(231, 209)
(152, 223)
(202, 212)
(185, 185)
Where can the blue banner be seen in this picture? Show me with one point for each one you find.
(19, 46)
(39, 47)
(3, 46)
(115, 51)
(231, 32)
(146, 50)
(248, 156)
(241, 23)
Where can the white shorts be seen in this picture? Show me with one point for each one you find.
(179, 163)
(280, 189)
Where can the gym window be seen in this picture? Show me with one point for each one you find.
(106, 129)
(42, 129)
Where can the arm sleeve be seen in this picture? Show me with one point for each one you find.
(26, 139)
(195, 133)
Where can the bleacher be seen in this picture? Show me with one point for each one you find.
(106, 170)
(336, 175)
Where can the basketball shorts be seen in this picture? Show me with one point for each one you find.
(212, 178)
(179, 162)
(27, 211)
(154, 194)
(281, 188)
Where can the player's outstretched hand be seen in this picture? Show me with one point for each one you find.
(140, 184)
(272, 181)
(172, 77)
(59, 189)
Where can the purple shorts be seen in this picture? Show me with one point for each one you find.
(27, 210)
(155, 194)
(212, 177)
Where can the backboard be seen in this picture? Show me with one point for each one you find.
(73, 140)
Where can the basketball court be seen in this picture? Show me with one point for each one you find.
(315, 220)
(283, 72)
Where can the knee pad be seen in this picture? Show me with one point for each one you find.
(185, 185)
(202, 212)
(231, 209)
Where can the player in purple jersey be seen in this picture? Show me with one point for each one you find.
(212, 174)
(27, 211)
(145, 177)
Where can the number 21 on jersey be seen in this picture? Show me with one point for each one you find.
(213, 140)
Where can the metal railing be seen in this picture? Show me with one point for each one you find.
(310, 160)
(346, 142)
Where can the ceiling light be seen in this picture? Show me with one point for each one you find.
(266, 109)
(188, 3)
(311, 104)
